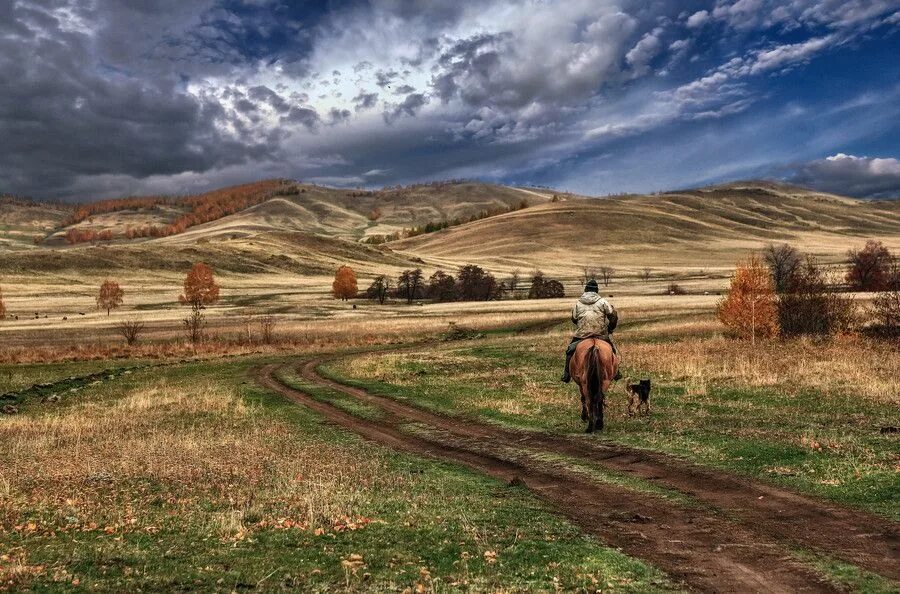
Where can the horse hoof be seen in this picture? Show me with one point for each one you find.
(588, 430)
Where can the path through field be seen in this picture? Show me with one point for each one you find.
(723, 533)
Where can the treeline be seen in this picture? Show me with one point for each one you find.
(202, 208)
(471, 283)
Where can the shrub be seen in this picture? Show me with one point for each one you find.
(267, 325)
(750, 309)
(130, 331)
(887, 313)
(675, 289)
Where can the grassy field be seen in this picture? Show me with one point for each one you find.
(209, 483)
(796, 413)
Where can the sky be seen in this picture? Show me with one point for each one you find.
(105, 98)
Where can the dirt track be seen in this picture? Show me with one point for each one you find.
(738, 538)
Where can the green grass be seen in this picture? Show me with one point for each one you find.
(433, 524)
(824, 444)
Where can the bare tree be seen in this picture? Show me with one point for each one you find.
(267, 325)
(606, 272)
(783, 261)
(513, 283)
(130, 330)
(588, 273)
(646, 273)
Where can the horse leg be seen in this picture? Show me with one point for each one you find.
(592, 415)
(600, 400)
(584, 415)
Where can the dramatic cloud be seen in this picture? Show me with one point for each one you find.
(856, 176)
(113, 97)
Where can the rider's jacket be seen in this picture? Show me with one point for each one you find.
(593, 316)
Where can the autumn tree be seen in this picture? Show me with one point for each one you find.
(870, 267)
(379, 289)
(783, 261)
(200, 290)
(409, 284)
(110, 296)
(750, 309)
(344, 286)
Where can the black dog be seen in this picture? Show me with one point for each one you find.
(638, 397)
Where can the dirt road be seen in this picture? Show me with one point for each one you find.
(732, 535)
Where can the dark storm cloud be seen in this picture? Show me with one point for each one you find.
(365, 100)
(149, 94)
(409, 106)
(864, 177)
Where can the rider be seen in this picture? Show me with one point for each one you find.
(594, 317)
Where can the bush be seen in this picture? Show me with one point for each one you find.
(887, 313)
(675, 289)
(750, 310)
(130, 331)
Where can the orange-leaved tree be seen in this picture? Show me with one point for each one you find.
(110, 296)
(344, 285)
(200, 289)
(750, 308)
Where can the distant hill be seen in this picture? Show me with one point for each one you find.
(284, 225)
(711, 226)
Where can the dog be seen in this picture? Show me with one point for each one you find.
(638, 397)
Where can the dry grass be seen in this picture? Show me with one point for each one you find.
(178, 456)
(846, 365)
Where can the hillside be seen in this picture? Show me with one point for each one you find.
(703, 227)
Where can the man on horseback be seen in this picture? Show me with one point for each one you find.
(594, 317)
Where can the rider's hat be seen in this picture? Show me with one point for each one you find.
(591, 286)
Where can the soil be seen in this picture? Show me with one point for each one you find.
(737, 536)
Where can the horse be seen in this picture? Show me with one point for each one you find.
(593, 367)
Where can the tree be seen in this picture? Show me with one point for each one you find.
(870, 267)
(344, 286)
(606, 273)
(512, 284)
(474, 284)
(783, 262)
(588, 273)
(110, 296)
(409, 284)
(646, 273)
(544, 288)
(2, 305)
(379, 289)
(200, 290)
(749, 309)
(441, 287)
(808, 306)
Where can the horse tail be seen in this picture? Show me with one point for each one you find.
(594, 372)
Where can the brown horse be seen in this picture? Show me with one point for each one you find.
(592, 367)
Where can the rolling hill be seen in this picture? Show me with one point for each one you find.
(289, 226)
(707, 227)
